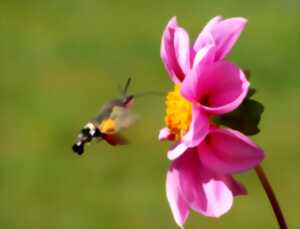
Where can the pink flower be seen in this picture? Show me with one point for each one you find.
(205, 156)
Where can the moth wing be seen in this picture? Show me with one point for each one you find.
(115, 139)
(123, 117)
(119, 118)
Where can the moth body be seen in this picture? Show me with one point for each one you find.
(112, 117)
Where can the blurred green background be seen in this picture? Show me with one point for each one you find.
(61, 59)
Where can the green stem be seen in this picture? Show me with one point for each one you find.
(271, 196)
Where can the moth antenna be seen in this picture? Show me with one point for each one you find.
(126, 86)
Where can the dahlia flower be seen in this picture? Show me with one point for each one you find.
(204, 155)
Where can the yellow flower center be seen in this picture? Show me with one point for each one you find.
(179, 113)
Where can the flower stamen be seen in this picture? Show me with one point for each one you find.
(178, 113)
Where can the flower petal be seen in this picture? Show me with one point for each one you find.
(174, 51)
(198, 129)
(222, 87)
(203, 191)
(204, 56)
(165, 135)
(226, 33)
(182, 49)
(218, 194)
(177, 150)
(201, 40)
(179, 207)
(228, 151)
(236, 187)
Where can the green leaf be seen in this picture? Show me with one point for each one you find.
(244, 119)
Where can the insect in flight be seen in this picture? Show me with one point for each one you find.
(113, 116)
